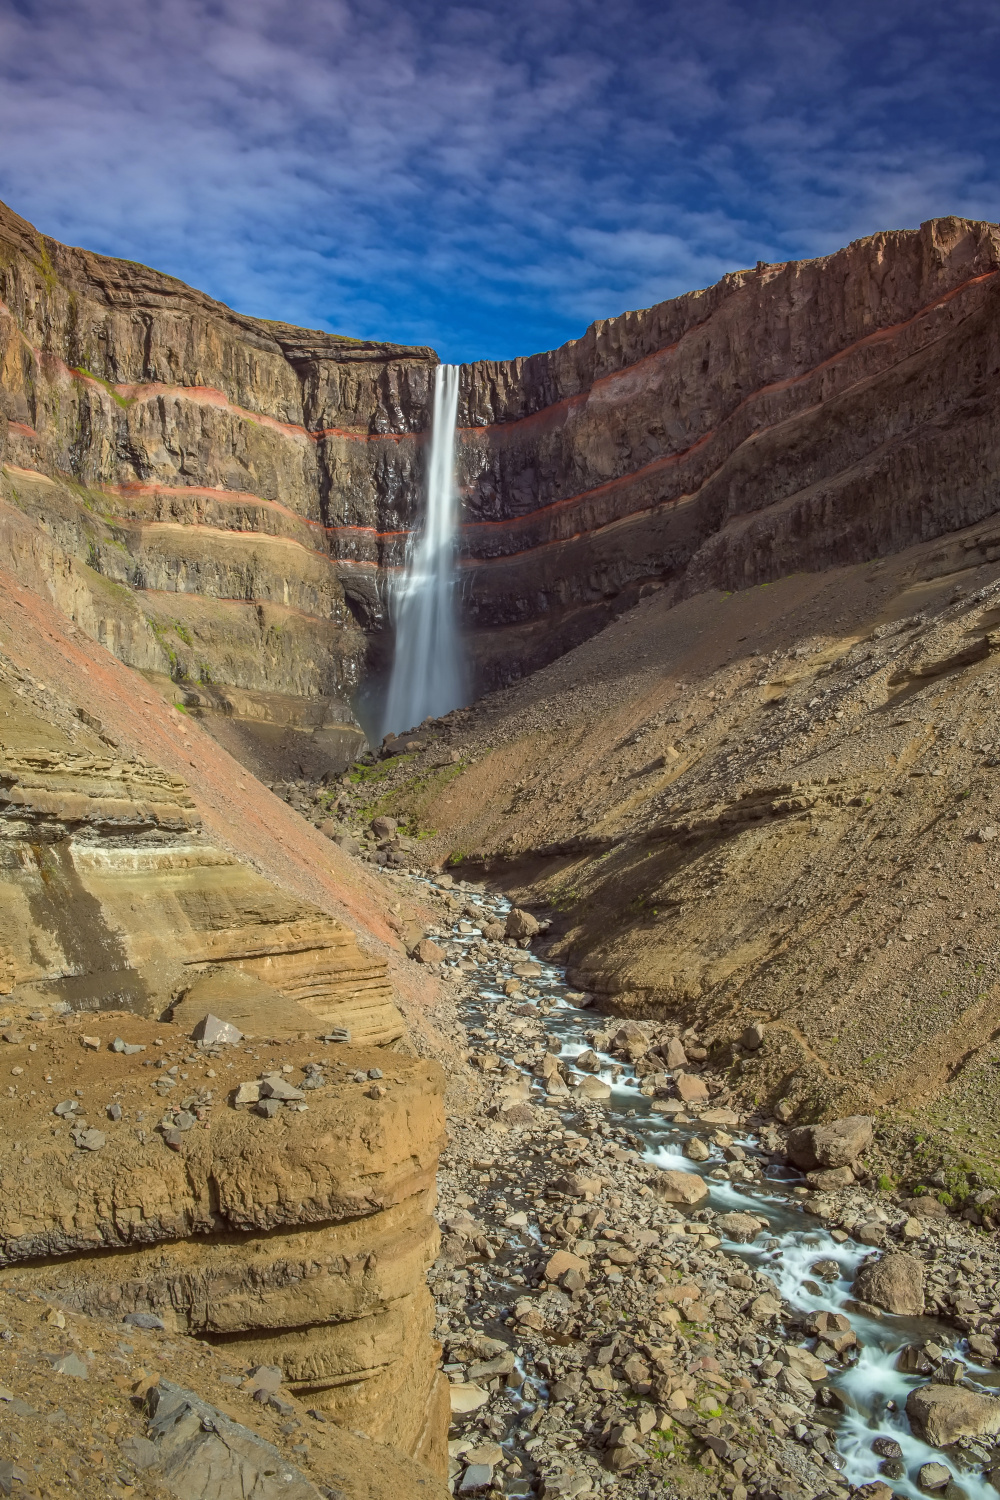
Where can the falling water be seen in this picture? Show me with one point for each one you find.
(427, 669)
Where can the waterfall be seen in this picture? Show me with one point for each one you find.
(427, 678)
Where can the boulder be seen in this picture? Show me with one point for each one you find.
(594, 1088)
(680, 1187)
(428, 952)
(521, 924)
(831, 1180)
(383, 827)
(753, 1037)
(934, 1476)
(743, 1228)
(802, 1362)
(588, 1061)
(674, 1053)
(944, 1413)
(562, 1262)
(691, 1089)
(838, 1144)
(895, 1283)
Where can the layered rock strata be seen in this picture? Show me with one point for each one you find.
(299, 1241)
(251, 485)
(298, 1236)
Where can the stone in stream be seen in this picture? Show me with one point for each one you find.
(679, 1187)
(934, 1476)
(743, 1228)
(588, 1062)
(838, 1144)
(887, 1447)
(594, 1088)
(944, 1413)
(696, 1150)
(894, 1283)
(521, 924)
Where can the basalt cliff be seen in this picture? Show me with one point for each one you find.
(222, 501)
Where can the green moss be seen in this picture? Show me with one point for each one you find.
(123, 401)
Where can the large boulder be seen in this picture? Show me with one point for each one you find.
(680, 1187)
(944, 1413)
(838, 1144)
(521, 924)
(895, 1283)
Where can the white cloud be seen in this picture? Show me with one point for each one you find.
(487, 179)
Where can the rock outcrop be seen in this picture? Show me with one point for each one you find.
(272, 1192)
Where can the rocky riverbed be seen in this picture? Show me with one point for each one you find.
(643, 1291)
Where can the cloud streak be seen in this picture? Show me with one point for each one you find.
(488, 180)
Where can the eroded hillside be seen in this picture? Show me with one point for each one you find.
(777, 805)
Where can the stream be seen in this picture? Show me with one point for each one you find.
(873, 1391)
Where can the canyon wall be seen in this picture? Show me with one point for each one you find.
(147, 882)
(248, 486)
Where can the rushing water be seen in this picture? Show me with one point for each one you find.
(874, 1391)
(427, 677)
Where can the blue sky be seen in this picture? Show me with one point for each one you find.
(489, 179)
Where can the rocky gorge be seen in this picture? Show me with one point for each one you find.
(593, 1090)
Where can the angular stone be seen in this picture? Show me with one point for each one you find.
(520, 924)
(467, 1397)
(248, 1093)
(71, 1364)
(753, 1037)
(594, 1088)
(679, 1187)
(214, 1032)
(944, 1413)
(691, 1088)
(89, 1140)
(934, 1476)
(838, 1144)
(202, 1452)
(428, 952)
(274, 1086)
(587, 1062)
(477, 1477)
(830, 1180)
(562, 1261)
(895, 1283)
(674, 1055)
(143, 1320)
(802, 1362)
(743, 1228)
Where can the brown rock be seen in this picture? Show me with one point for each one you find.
(829, 1181)
(895, 1283)
(679, 1187)
(384, 827)
(944, 1413)
(562, 1262)
(520, 924)
(674, 1054)
(428, 952)
(690, 1088)
(838, 1144)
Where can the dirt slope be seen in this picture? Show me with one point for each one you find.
(775, 805)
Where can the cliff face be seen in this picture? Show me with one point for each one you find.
(240, 479)
(250, 485)
(796, 416)
(298, 1238)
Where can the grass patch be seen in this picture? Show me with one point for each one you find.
(123, 401)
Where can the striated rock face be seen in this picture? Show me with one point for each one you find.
(248, 486)
(297, 1235)
(300, 1241)
(241, 479)
(799, 415)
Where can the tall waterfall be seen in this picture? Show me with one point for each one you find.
(427, 674)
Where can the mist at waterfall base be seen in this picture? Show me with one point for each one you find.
(428, 677)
